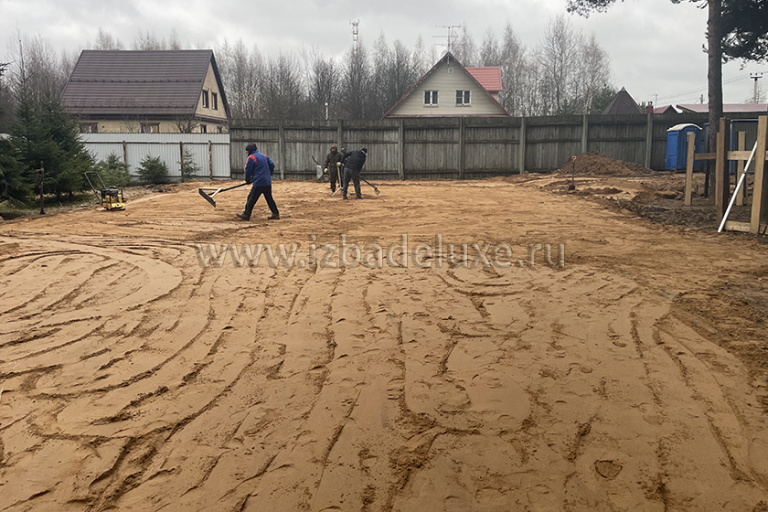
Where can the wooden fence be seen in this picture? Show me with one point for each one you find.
(459, 148)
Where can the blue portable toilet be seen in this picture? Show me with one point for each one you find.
(677, 146)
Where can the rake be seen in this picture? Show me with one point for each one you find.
(209, 196)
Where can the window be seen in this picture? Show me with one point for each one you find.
(203, 128)
(89, 128)
(215, 101)
(150, 127)
(430, 97)
(462, 97)
(205, 99)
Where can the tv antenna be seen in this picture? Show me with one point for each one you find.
(450, 33)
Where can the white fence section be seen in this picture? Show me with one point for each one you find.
(210, 151)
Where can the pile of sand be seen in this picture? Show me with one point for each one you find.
(597, 164)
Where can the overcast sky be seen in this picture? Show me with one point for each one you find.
(655, 47)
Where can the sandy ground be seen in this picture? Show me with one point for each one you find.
(629, 377)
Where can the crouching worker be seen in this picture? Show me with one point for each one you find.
(258, 171)
(353, 163)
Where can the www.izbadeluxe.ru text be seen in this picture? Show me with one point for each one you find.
(345, 254)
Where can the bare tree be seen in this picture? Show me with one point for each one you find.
(355, 81)
(323, 88)
(593, 73)
(242, 73)
(148, 41)
(464, 48)
(491, 51)
(513, 73)
(105, 41)
(44, 76)
(282, 93)
(421, 61)
(558, 56)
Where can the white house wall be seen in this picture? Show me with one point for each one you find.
(447, 83)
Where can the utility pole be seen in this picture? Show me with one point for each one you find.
(42, 188)
(756, 77)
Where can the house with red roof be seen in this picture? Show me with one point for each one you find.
(451, 90)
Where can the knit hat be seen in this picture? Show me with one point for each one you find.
(364, 150)
(251, 148)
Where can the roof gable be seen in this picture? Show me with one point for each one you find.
(447, 59)
(621, 104)
(119, 83)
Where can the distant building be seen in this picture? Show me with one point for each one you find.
(622, 104)
(147, 91)
(668, 109)
(451, 90)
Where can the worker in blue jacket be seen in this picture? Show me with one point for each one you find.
(258, 171)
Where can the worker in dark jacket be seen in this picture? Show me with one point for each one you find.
(331, 165)
(258, 171)
(353, 163)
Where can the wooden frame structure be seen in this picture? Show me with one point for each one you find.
(758, 223)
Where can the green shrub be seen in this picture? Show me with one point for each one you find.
(114, 172)
(152, 170)
(189, 169)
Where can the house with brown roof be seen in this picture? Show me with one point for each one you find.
(451, 90)
(147, 92)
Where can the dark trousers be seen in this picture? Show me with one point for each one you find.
(334, 175)
(254, 196)
(351, 174)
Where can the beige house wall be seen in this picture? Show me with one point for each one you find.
(447, 78)
(165, 126)
(212, 87)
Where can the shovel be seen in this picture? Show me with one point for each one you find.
(572, 186)
(209, 197)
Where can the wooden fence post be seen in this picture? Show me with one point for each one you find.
(281, 148)
(689, 168)
(401, 149)
(739, 170)
(648, 139)
(759, 201)
(210, 159)
(521, 147)
(722, 181)
(461, 148)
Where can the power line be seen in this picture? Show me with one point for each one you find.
(705, 88)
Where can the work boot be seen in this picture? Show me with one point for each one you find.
(359, 196)
(344, 197)
(244, 216)
(274, 216)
